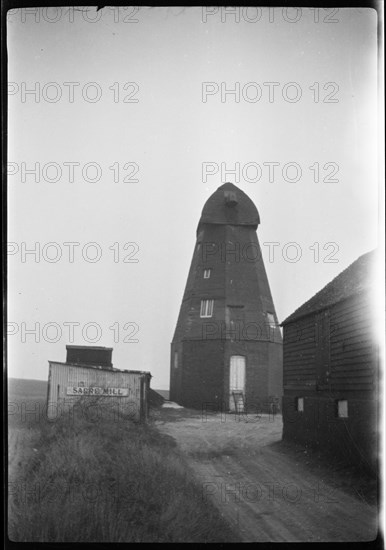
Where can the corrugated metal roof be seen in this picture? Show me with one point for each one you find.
(97, 367)
(231, 206)
(88, 347)
(356, 278)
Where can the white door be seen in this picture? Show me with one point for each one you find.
(237, 383)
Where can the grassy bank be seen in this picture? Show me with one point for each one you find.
(108, 481)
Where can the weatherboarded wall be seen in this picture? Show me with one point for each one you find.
(202, 347)
(329, 357)
(123, 392)
(200, 373)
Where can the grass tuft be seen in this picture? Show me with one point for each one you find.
(108, 481)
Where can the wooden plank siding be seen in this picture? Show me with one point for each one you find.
(331, 355)
(353, 350)
(64, 375)
(333, 348)
(299, 349)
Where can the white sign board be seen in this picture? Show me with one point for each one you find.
(106, 392)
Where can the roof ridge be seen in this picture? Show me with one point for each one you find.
(348, 282)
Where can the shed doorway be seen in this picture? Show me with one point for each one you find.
(237, 383)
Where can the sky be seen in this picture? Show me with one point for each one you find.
(128, 117)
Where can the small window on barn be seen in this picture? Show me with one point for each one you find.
(300, 404)
(176, 359)
(207, 273)
(206, 308)
(342, 408)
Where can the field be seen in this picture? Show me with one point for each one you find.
(81, 480)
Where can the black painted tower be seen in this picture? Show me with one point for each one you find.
(227, 346)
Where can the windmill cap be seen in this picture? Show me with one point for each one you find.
(229, 205)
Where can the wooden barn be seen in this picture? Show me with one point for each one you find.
(227, 346)
(331, 367)
(88, 379)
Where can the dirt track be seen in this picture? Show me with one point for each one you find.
(267, 494)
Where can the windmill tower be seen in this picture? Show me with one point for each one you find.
(227, 346)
